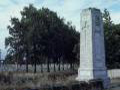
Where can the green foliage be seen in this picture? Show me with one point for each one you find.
(112, 41)
(41, 33)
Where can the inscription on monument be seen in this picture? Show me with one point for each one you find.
(97, 19)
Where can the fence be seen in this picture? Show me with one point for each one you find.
(114, 73)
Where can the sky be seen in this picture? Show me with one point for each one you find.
(69, 9)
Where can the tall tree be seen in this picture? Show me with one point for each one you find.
(112, 38)
(41, 33)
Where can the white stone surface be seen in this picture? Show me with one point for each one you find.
(92, 51)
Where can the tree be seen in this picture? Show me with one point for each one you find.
(112, 39)
(41, 34)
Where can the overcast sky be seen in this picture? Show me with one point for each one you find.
(69, 9)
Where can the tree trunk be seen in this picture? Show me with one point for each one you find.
(63, 66)
(59, 64)
(27, 58)
(35, 66)
(71, 66)
(41, 68)
(54, 66)
(27, 66)
(48, 66)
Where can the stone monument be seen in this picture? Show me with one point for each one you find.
(92, 49)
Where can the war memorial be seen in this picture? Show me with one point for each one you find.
(92, 49)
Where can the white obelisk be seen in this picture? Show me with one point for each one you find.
(92, 49)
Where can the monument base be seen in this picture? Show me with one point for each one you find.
(91, 74)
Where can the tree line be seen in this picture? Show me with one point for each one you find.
(39, 37)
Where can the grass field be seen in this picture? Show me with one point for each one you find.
(10, 80)
(18, 80)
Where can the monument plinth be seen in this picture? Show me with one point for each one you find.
(92, 49)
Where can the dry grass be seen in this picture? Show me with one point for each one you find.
(10, 80)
